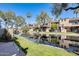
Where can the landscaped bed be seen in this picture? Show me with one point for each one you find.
(35, 49)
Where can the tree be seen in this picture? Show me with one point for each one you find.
(43, 18)
(25, 29)
(73, 8)
(38, 19)
(9, 21)
(29, 15)
(9, 18)
(19, 20)
(58, 8)
(2, 16)
(76, 11)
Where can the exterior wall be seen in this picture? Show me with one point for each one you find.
(66, 24)
(48, 29)
(64, 30)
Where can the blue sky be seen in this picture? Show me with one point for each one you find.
(22, 9)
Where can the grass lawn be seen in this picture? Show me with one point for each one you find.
(61, 33)
(58, 32)
(35, 49)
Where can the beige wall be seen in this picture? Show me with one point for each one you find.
(47, 30)
(66, 24)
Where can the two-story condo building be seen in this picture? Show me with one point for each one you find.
(69, 25)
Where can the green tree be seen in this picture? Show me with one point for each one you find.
(9, 18)
(58, 8)
(25, 29)
(38, 19)
(76, 11)
(43, 18)
(54, 26)
(2, 16)
(19, 20)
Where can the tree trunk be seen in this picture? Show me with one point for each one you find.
(76, 15)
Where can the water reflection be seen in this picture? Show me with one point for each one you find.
(70, 43)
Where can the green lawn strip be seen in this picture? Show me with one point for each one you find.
(67, 33)
(35, 49)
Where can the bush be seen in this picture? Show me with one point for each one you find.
(25, 29)
(6, 36)
(55, 40)
(54, 26)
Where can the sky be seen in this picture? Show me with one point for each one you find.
(21, 9)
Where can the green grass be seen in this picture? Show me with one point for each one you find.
(61, 33)
(58, 32)
(35, 49)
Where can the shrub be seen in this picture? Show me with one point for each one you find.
(54, 26)
(6, 36)
(55, 40)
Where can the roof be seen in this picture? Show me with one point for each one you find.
(71, 18)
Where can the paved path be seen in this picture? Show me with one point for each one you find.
(10, 49)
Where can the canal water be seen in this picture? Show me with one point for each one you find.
(70, 43)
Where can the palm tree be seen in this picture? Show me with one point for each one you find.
(58, 8)
(29, 15)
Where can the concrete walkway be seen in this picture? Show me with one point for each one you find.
(10, 49)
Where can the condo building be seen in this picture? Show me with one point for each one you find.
(69, 25)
